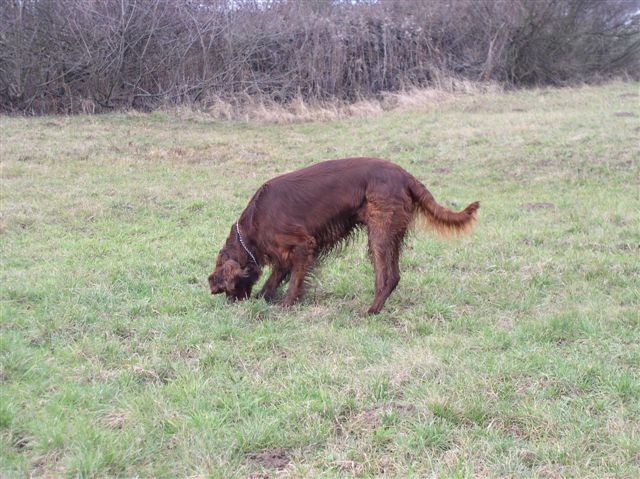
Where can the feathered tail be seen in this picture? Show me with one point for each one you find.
(441, 219)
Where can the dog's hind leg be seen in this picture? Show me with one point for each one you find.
(386, 226)
(385, 254)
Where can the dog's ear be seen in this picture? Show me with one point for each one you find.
(225, 276)
(231, 272)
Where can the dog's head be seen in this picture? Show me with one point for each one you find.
(233, 275)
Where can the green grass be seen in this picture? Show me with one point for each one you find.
(512, 352)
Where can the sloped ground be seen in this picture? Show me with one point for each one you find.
(512, 352)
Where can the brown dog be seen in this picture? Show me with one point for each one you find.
(295, 218)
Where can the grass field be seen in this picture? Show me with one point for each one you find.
(513, 352)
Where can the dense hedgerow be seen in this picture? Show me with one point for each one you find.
(99, 55)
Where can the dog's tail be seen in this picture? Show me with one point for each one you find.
(441, 219)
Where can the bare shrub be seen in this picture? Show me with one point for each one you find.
(89, 56)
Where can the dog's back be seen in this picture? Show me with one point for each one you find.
(328, 199)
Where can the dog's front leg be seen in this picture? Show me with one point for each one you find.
(303, 256)
(268, 291)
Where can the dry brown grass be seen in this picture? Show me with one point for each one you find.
(298, 110)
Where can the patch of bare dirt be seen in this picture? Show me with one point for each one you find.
(22, 442)
(274, 458)
(537, 206)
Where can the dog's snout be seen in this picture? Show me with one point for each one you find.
(214, 286)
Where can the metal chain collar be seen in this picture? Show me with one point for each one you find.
(244, 245)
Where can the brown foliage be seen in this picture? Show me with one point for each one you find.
(96, 55)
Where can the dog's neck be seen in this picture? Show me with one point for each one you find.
(243, 240)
